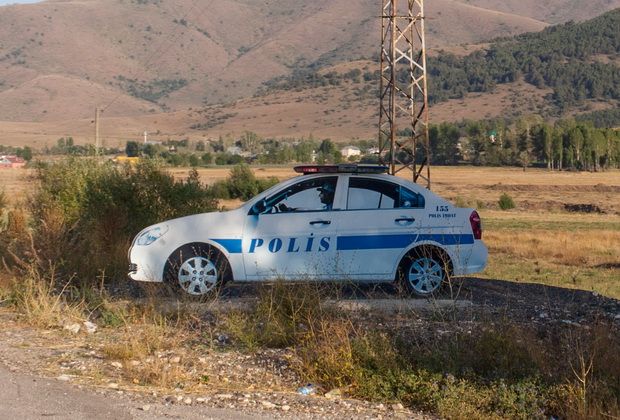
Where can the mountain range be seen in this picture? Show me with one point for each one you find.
(163, 66)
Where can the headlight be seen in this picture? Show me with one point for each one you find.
(151, 235)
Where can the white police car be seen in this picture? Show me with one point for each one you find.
(338, 222)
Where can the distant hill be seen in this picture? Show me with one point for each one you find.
(155, 63)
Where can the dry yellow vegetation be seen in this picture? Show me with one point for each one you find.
(15, 184)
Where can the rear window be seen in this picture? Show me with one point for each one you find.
(367, 194)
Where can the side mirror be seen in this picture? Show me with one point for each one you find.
(259, 207)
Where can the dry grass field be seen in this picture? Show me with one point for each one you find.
(564, 230)
(15, 184)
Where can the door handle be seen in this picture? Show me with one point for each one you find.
(321, 222)
(405, 219)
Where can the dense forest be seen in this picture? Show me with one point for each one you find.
(577, 61)
(566, 58)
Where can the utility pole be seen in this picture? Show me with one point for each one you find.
(403, 113)
(97, 144)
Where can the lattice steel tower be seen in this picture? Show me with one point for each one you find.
(403, 118)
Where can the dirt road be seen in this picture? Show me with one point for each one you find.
(26, 397)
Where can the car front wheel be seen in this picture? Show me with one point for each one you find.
(424, 271)
(198, 270)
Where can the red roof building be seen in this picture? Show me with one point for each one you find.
(7, 161)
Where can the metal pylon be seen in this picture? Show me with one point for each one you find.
(403, 119)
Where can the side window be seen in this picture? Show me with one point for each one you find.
(366, 193)
(306, 195)
(410, 199)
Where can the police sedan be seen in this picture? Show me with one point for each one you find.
(336, 222)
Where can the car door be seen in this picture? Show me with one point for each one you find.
(379, 220)
(292, 234)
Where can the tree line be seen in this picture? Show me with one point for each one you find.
(569, 144)
(566, 145)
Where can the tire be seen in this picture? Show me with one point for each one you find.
(197, 270)
(424, 271)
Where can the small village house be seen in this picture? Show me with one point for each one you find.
(10, 161)
(349, 151)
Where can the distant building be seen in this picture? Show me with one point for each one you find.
(234, 150)
(349, 151)
(375, 151)
(9, 161)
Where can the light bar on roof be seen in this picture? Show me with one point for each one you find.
(341, 168)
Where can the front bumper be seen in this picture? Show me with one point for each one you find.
(144, 266)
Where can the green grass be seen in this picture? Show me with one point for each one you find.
(570, 224)
(600, 280)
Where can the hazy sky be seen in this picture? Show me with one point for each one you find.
(5, 2)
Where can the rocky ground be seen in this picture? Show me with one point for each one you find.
(260, 384)
(263, 383)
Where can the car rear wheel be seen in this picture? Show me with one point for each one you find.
(424, 271)
(198, 270)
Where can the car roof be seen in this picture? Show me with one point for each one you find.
(341, 168)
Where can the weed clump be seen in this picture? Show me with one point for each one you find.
(506, 202)
(284, 316)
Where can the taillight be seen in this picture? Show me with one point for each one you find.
(476, 224)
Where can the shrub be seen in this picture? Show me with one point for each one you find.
(265, 183)
(465, 202)
(461, 202)
(242, 184)
(86, 211)
(506, 202)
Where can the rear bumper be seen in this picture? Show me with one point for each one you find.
(473, 261)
